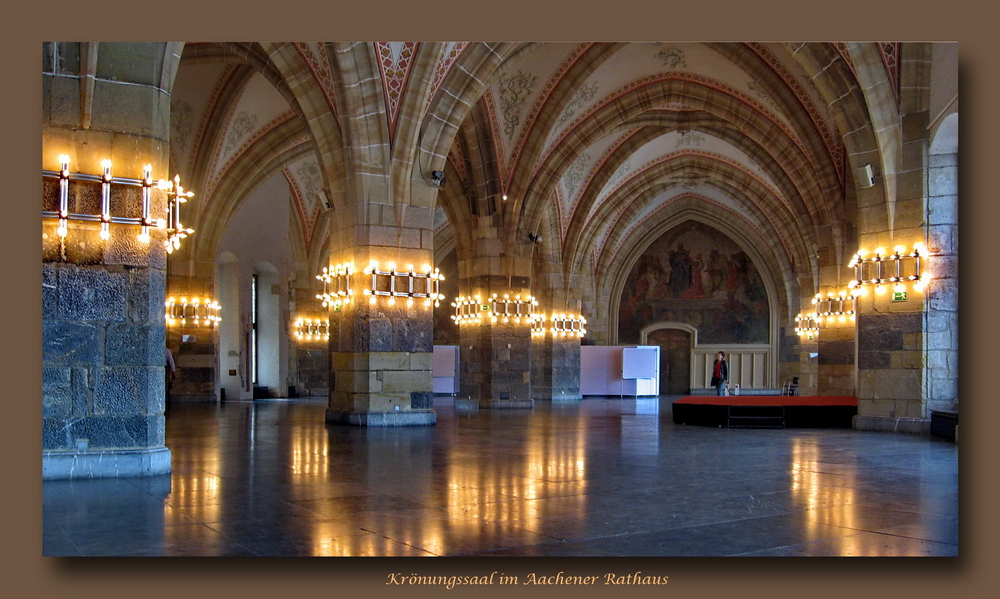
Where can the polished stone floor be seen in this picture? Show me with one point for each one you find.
(601, 477)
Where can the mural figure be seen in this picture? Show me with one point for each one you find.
(696, 275)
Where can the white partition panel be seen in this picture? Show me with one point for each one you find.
(602, 367)
(446, 368)
(749, 366)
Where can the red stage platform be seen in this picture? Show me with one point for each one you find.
(766, 411)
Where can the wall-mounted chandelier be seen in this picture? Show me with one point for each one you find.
(834, 307)
(176, 195)
(806, 325)
(389, 283)
(312, 329)
(828, 309)
(884, 269)
(563, 325)
(194, 311)
(336, 285)
(496, 309)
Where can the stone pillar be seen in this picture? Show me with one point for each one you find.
(381, 348)
(194, 343)
(496, 349)
(556, 367)
(942, 308)
(892, 359)
(555, 358)
(310, 354)
(103, 299)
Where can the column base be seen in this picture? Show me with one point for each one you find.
(401, 418)
(562, 397)
(884, 424)
(502, 404)
(112, 463)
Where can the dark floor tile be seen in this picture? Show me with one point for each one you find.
(596, 477)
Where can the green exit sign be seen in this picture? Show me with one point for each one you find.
(484, 307)
(899, 296)
(336, 307)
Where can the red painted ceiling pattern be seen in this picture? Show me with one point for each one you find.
(308, 220)
(322, 73)
(395, 73)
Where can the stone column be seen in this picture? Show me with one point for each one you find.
(556, 367)
(942, 308)
(496, 349)
(194, 343)
(310, 354)
(892, 383)
(103, 299)
(381, 347)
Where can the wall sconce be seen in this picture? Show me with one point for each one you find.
(409, 284)
(839, 307)
(336, 285)
(884, 269)
(806, 326)
(494, 309)
(563, 325)
(175, 231)
(193, 312)
(390, 283)
(308, 329)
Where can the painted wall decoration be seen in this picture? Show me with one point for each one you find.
(513, 93)
(696, 275)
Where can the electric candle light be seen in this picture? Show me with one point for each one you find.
(147, 182)
(106, 200)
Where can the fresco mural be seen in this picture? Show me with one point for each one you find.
(696, 275)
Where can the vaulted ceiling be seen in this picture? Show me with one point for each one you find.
(596, 140)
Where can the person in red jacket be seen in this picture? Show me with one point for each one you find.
(720, 372)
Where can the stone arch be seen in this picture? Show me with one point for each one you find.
(462, 87)
(610, 296)
(262, 160)
(318, 112)
(766, 134)
(758, 212)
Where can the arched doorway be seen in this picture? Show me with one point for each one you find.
(676, 341)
